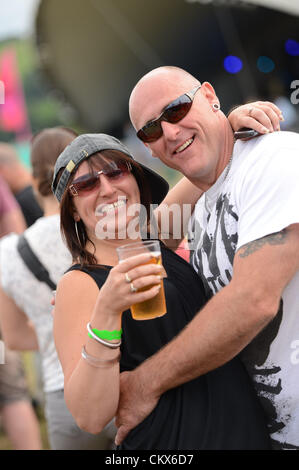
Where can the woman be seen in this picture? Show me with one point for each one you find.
(96, 177)
(25, 302)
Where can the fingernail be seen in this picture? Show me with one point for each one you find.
(281, 117)
(265, 130)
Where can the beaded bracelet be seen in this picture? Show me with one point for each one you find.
(95, 362)
(92, 335)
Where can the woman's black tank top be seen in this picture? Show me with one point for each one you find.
(219, 410)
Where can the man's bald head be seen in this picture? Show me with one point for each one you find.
(159, 79)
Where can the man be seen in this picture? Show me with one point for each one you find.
(246, 234)
(19, 180)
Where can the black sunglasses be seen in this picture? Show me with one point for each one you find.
(87, 183)
(173, 113)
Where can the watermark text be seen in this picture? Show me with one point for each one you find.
(295, 94)
(120, 221)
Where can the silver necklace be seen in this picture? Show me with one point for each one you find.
(228, 167)
(207, 205)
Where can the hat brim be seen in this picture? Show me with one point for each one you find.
(157, 184)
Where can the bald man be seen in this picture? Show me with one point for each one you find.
(245, 232)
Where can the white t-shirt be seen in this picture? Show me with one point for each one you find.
(259, 196)
(32, 296)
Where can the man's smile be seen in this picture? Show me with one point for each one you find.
(185, 145)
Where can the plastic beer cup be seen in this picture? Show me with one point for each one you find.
(155, 307)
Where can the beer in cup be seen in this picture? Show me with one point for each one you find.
(155, 307)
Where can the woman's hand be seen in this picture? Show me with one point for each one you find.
(122, 286)
(262, 116)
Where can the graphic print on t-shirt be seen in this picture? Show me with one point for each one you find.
(213, 256)
(207, 264)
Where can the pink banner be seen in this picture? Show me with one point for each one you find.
(13, 113)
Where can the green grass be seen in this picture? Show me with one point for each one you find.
(4, 442)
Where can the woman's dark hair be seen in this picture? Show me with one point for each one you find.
(46, 146)
(76, 240)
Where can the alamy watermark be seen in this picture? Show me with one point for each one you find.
(2, 92)
(2, 352)
(295, 94)
(122, 221)
(295, 354)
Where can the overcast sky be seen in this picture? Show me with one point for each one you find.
(17, 17)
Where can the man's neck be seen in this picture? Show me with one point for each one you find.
(227, 148)
(225, 154)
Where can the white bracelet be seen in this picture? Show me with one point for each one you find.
(100, 340)
(95, 362)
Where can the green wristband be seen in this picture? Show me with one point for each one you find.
(109, 335)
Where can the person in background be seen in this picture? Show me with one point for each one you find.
(246, 250)
(11, 217)
(25, 302)
(19, 179)
(18, 418)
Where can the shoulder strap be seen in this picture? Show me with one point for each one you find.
(33, 263)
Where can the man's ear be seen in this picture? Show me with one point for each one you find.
(209, 93)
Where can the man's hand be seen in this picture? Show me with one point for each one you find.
(135, 404)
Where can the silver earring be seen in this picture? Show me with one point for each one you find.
(216, 106)
(77, 233)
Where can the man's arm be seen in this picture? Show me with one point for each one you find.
(173, 214)
(229, 321)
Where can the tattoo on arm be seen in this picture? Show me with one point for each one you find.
(278, 238)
